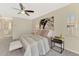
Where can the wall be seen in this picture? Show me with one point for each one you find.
(21, 26)
(71, 42)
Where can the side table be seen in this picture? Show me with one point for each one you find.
(57, 41)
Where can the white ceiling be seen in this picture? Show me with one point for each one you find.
(6, 9)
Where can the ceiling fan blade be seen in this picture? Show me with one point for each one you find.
(21, 6)
(17, 9)
(19, 13)
(29, 11)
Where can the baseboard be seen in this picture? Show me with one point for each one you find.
(72, 51)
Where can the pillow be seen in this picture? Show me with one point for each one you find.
(37, 32)
(50, 34)
(44, 33)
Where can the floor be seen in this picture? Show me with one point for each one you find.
(4, 46)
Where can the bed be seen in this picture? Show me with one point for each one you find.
(34, 45)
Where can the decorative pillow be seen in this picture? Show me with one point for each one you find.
(44, 33)
(50, 34)
(37, 32)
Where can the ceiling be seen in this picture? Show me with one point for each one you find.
(6, 9)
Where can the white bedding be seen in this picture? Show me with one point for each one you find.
(45, 42)
(26, 46)
(30, 46)
(34, 45)
(41, 47)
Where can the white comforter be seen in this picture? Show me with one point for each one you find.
(34, 45)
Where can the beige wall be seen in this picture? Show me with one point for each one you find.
(21, 26)
(71, 42)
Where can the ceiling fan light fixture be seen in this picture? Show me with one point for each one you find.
(22, 12)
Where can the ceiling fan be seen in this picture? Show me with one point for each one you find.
(22, 10)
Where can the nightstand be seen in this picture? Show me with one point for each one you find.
(59, 42)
